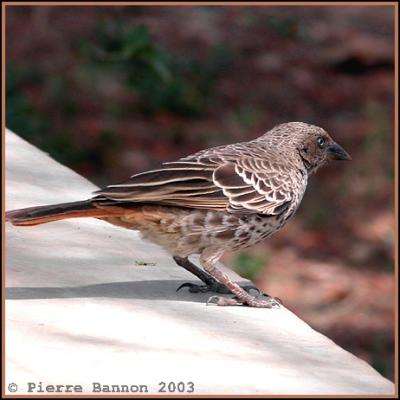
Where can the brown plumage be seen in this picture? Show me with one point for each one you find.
(224, 198)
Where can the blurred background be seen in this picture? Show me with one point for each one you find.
(111, 91)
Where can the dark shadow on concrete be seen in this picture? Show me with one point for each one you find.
(145, 290)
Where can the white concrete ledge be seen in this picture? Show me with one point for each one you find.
(79, 310)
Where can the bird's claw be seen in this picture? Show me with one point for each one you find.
(212, 300)
(277, 299)
(247, 288)
(214, 287)
(193, 288)
(257, 302)
(223, 301)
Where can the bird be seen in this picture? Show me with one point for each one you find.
(224, 198)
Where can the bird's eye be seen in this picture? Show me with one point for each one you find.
(321, 141)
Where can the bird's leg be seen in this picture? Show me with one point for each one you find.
(209, 281)
(208, 259)
(211, 284)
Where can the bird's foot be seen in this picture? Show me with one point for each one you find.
(250, 301)
(215, 287)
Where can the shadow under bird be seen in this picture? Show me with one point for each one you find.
(220, 199)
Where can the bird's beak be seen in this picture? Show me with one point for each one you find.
(336, 152)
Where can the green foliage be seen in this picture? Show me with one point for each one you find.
(249, 265)
(287, 27)
(164, 82)
(378, 347)
(23, 115)
(247, 115)
(378, 144)
(319, 216)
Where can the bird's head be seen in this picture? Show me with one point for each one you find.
(312, 143)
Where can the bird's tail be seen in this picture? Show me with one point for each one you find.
(43, 214)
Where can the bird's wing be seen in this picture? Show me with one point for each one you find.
(185, 183)
(245, 184)
(256, 185)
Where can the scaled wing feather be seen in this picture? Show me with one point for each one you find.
(254, 185)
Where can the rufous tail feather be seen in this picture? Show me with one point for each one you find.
(55, 212)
